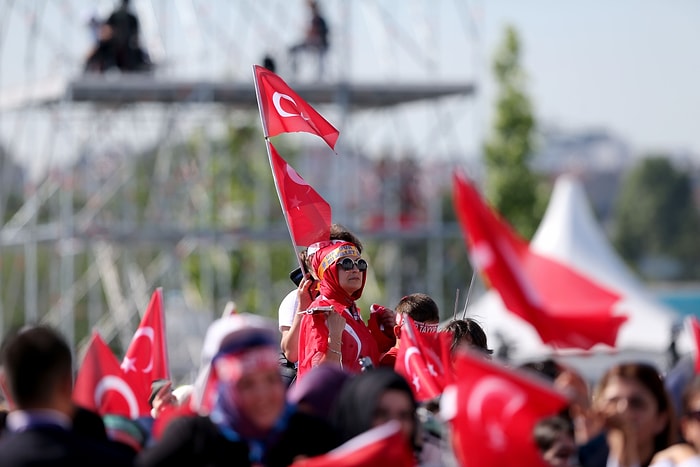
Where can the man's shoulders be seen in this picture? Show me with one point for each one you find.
(56, 446)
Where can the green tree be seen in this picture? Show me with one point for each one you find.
(511, 187)
(656, 222)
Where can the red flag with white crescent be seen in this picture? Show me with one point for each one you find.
(423, 359)
(382, 446)
(100, 384)
(284, 111)
(146, 358)
(493, 410)
(308, 214)
(566, 308)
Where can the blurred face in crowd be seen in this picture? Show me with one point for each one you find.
(396, 405)
(562, 453)
(633, 404)
(349, 274)
(260, 395)
(690, 422)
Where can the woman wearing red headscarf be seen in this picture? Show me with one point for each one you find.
(332, 331)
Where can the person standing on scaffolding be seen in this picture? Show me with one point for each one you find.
(315, 40)
(118, 44)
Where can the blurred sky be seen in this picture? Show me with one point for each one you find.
(629, 66)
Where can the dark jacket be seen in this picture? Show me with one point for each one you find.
(197, 441)
(51, 445)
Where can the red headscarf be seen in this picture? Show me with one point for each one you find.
(323, 263)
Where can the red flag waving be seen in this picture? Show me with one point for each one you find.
(566, 308)
(382, 446)
(146, 358)
(283, 111)
(100, 385)
(694, 326)
(308, 214)
(493, 411)
(423, 360)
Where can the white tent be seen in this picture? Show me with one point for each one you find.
(570, 234)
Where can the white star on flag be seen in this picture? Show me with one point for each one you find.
(416, 382)
(128, 364)
(431, 369)
(294, 202)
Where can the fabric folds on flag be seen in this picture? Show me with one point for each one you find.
(493, 411)
(284, 111)
(423, 359)
(146, 358)
(567, 309)
(382, 446)
(101, 386)
(308, 214)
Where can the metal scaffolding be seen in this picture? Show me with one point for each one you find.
(72, 241)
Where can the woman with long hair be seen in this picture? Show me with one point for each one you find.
(637, 417)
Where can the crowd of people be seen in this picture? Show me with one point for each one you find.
(276, 394)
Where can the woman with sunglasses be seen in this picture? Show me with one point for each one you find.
(332, 330)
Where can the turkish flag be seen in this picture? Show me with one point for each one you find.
(567, 309)
(100, 385)
(423, 359)
(146, 357)
(382, 446)
(694, 326)
(283, 111)
(493, 411)
(308, 214)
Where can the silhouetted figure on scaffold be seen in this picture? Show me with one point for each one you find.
(315, 40)
(118, 44)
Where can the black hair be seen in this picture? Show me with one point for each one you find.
(420, 307)
(36, 360)
(468, 329)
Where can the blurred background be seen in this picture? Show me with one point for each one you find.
(117, 179)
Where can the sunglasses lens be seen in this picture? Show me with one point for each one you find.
(347, 264)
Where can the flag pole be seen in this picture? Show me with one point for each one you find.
(469, 294)
(454, 314)
(159, 291)
(272, 169)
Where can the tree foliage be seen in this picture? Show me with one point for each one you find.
(656, 221)
(511, 187)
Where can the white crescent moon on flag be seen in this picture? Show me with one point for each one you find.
(296, 178)
(148, 332)
(407, 356)
(276, 101)
(115, 383)
(510, 398)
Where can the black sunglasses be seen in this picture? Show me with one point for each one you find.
(347, 264)
(693, 415)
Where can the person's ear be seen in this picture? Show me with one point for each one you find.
(397, 331)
